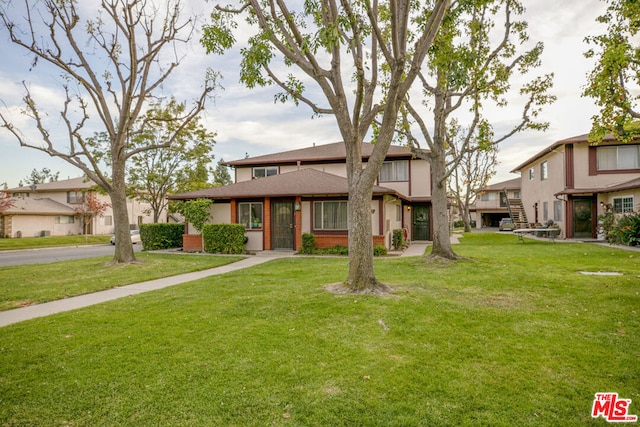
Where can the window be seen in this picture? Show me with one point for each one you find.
(397, 170)
(64, 219)
(557, 210)
(622, 204)
(531, 174)
(250, 215)
(330, 215)
(266, 171)
(516, 194)
(618, 157)
(544, 171)
(75, 197)
(484, 197)
(545, 211)
(108, 220)
(398, 213)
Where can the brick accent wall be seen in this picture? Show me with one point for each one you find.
(191, 242)
(328, 241)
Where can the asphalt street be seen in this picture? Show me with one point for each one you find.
(49, 255)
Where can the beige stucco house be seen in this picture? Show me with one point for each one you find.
(572, 182)
(51, 209)
(278, 197)
(492, 202)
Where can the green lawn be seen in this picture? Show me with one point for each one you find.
(51, 241)
(514, 336)
(31, 284)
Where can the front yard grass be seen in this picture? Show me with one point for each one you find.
(514, 336)
(33, 284)
(51, 241)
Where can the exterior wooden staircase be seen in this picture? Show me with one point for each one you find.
(516, 212)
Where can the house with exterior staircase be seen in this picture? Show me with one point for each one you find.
(497, 201)
(572, 182)
(280, 196)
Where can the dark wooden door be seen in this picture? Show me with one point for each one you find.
(282, 229)
(421, 229)
(583, 218)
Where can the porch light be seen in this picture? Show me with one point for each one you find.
(297, 206)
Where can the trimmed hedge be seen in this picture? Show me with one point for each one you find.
(224, 238)
(161, 236)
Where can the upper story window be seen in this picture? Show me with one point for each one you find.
(618, 157)
(75, 197)
(265, 171)
(532, 174)
(516, 194)
(331, 215)
(623, 204)
(397, 170)
(544, 170)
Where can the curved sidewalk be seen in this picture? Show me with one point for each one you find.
(40, 310)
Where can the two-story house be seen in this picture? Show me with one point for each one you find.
(52, 209)
(278, 197)
(492, 202)
(572, 182)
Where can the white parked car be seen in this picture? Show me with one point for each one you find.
(135, 237)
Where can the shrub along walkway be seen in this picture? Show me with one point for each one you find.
(40, 310)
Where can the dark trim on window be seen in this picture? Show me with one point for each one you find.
(593, 164)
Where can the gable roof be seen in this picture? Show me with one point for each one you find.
(41, 206)
(580, 139)
(511, 184)
(334, 152)
(304, 182)
(80, 183)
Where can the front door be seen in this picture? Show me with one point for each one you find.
(421, 223)
(282, 225)
(583, 218)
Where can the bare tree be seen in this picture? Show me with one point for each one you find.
(342, 48)
(475, 166)
(469, 71)
(112, 65)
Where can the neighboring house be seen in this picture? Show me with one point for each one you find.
(278, 197)
(50, 209)
(572, 182)
(492, 202)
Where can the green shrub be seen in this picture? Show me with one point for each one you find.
(379, 250)
(398, 239)
(161, 236)
(223, 238)
(308, 243)
(626, 230)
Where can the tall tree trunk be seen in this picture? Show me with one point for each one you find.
(361, 277)
(124, 249)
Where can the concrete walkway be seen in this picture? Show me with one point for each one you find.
(40, 310)
(45, 309)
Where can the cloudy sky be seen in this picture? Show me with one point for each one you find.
(248, 121)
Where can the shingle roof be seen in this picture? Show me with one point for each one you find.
(305, 182)
(628, 185)
(41, 206)
(509, 185)
(318, 153)
(79, 183)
